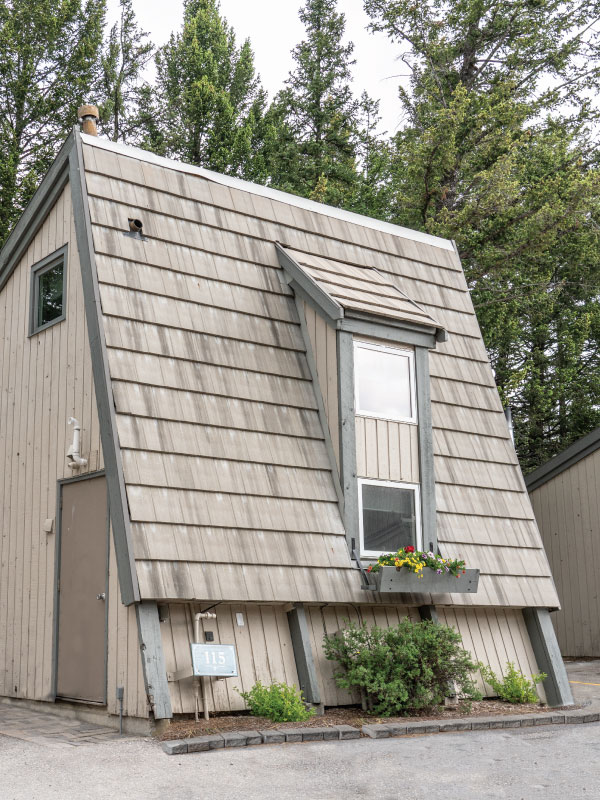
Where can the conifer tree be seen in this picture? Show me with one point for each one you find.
(209, 97)
(125, 56)
(498, 154)
(49, 56)
(316, 112)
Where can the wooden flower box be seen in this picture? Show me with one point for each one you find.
(390, 579)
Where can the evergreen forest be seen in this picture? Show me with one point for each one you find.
(498, 150)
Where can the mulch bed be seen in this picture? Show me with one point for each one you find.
(348, 715)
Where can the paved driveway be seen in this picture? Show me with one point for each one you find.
(549, 763)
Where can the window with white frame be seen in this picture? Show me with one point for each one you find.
(389, 516)
(385, 382)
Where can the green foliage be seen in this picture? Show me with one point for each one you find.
(316, 114)
(48, 67)
(401, 669)
(209, 101)
(515, 687)
(498, 153)
(279, 702)
(125, 55)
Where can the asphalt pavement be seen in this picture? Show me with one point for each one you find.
(551, 762)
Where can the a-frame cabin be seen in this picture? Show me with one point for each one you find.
(263, 385)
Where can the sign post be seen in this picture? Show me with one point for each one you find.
(212, 660)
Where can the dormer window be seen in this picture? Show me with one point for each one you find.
(389, 516)
(385, 382)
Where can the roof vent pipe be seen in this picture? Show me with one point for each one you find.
(73, 455)
(89, 117)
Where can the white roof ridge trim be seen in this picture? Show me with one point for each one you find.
(272, 194)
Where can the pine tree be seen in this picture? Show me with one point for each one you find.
(126, 53)
(316, 112)
(497, 154)
(209, 97)
(48, 67)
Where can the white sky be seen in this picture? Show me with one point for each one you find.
(274, 28)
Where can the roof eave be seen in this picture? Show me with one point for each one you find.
(576, 452)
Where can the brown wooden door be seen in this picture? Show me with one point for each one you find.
(82, 586)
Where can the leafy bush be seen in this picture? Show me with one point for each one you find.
(401, 669)
(279, 702)
(515, 688)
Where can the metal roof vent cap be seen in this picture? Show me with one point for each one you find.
(89, 117)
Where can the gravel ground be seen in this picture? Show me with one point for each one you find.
(549, 763)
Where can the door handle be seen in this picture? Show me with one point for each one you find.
(101, 596)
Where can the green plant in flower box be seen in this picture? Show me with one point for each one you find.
(417, 560)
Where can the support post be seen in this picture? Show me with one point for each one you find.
(305, 663)
(153, 661)
(548, 657)
(345, 356)
(425, 434)
(429, 613)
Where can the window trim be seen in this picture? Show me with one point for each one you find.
(406, 352)
(37, 270)
(415, 487)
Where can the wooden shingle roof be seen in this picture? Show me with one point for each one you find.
(359, 289)
(227, 476)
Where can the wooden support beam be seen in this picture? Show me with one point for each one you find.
(548, 657)
(153, 661)
(305, 662)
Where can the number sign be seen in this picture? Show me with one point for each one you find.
(214, 659)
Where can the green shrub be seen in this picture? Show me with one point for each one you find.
(279, 702)
(409, 667)
(515, 688)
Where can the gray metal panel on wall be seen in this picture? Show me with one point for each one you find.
(548, 657)
(305, 663)
(345, 362)
(106, 412)
(392, 333)
(153, 661)
(425, 433)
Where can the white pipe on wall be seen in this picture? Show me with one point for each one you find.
(73, 454)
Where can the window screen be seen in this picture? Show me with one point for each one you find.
(384, 382)
(389, 516)
(48, 292)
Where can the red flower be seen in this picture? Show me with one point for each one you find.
(409, 549)
(370, 568)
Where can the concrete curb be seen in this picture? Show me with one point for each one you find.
(378, 731)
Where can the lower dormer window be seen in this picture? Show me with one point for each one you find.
(389, 516)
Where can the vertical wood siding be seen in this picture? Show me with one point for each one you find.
(44, 380)
(387, 451)
(263, 644)
(124, 664)
(494, 636)
(323, 340)
(567, 509)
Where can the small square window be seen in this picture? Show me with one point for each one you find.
(384, 382)
(48, 283)
(389, 516)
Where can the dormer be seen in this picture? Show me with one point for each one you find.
(369, 345)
